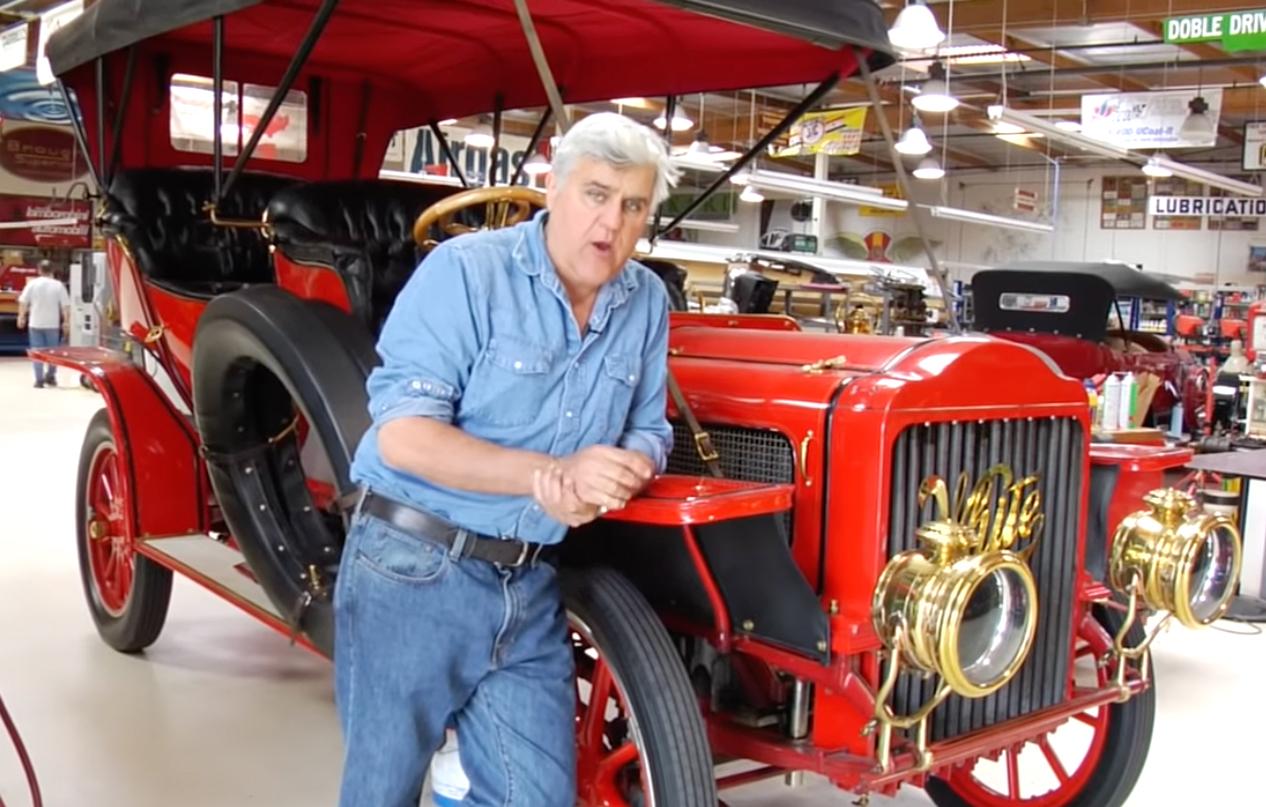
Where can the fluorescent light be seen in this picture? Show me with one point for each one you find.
(928, 168)
(823, 189)
(915, 29)
(1207, 177)
(709, 226)
(1262, 81)
(1001, 127)
(975, 217)
(447, 122)
(750, 194)
(1032, 123)
(1068, 125)
(913, 141)
(1154, 169)
(698, 162)
(421, 179)
(633, 100)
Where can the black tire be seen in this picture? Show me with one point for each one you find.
(651, 678)
(142, 618)
(1125, 750)
(260, 356)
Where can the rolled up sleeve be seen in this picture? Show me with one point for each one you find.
(648, 429)
(428, 344)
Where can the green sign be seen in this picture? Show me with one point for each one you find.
(1238, 31)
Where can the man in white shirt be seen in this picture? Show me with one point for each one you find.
(45, 306)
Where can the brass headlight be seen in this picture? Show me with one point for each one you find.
(964, 606)
(1183, 560)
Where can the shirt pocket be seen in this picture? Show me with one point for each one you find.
(510, 385)
(618, 381)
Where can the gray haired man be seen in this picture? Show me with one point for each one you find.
(522, 392)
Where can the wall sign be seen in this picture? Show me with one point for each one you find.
(1254, 155)
(838, 131)
(14, 209)
(1206, 206)
(1147, 120)
(1241, 30)
(13, 46)
(41, 154)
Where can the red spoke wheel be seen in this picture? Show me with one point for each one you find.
(640, 739)
(1093, 759)
(127, 594)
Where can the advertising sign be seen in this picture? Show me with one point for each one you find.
(1147, 120)
(1206, 206)
(41, 154)
(15, 211)
(13, 46)
(1237, 31)
(837, 131)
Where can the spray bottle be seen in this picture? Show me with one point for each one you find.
(1111, 406)
(1129, 399)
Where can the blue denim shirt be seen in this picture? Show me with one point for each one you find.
(483, 337)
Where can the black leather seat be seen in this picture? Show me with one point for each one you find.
(159, 211)
(361, 228)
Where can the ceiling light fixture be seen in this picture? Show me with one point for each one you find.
(915, 28)
(681, 123)
(536, 165)
(709, 226)
(1207, 177)
(447, 122)
(1154, 169)
(1198, 125)
(934, 95)
(480, 137)
(824, 189)
(1069, 125)
(975, 217)
(928, 168)
(750, 194)
(913, 141)
(700, 147)
(1036, 125)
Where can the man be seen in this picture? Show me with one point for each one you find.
(45, 306)
(522, 392)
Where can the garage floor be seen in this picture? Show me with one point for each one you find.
(220, 711)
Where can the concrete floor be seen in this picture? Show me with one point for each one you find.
(220, 711)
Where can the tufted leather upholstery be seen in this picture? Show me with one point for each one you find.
(159, 212)
(362, 228)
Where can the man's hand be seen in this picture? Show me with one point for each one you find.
(21, 323)
(606, 477)
(557, 498)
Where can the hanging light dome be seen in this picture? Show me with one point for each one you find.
(915, 29)
(914, 141)
(935, 94)
(1198, 125)
(536, 165)
(700, 147)
(928, 168)
(750, 194)
(480, 137)
(681, 123)
(1153, 168)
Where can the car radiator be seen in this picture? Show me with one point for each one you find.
(1053, 449)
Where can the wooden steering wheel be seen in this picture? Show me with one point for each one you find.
(504, 206)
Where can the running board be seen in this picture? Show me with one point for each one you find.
(217, 567)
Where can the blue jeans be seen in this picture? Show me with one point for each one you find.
(44, 337)
(425, 638)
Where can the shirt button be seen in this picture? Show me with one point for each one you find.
(416, 385)
(568, 413)
(632, 378)
(518, 365)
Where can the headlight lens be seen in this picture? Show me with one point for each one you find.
(1183, 560)
(991, 636)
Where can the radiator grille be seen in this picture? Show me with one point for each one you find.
(1051, 448)
(753, 455)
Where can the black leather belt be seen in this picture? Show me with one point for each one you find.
(509, 552)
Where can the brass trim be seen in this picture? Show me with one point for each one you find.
(260, 224)
(498, 202)
(804, 458)
(818, 367)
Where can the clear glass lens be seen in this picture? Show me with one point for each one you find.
(1211, 574)
(995, 622)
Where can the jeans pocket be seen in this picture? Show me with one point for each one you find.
(398, 556)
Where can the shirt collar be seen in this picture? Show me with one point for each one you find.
(531, 257)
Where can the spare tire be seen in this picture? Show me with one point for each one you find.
(280, 402)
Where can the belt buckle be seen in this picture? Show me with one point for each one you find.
(529, 551)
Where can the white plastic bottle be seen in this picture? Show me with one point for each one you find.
(449, 784)
(1111, 406)
(1129, 397)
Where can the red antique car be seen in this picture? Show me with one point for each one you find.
(906, 572)
(1063, 309)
